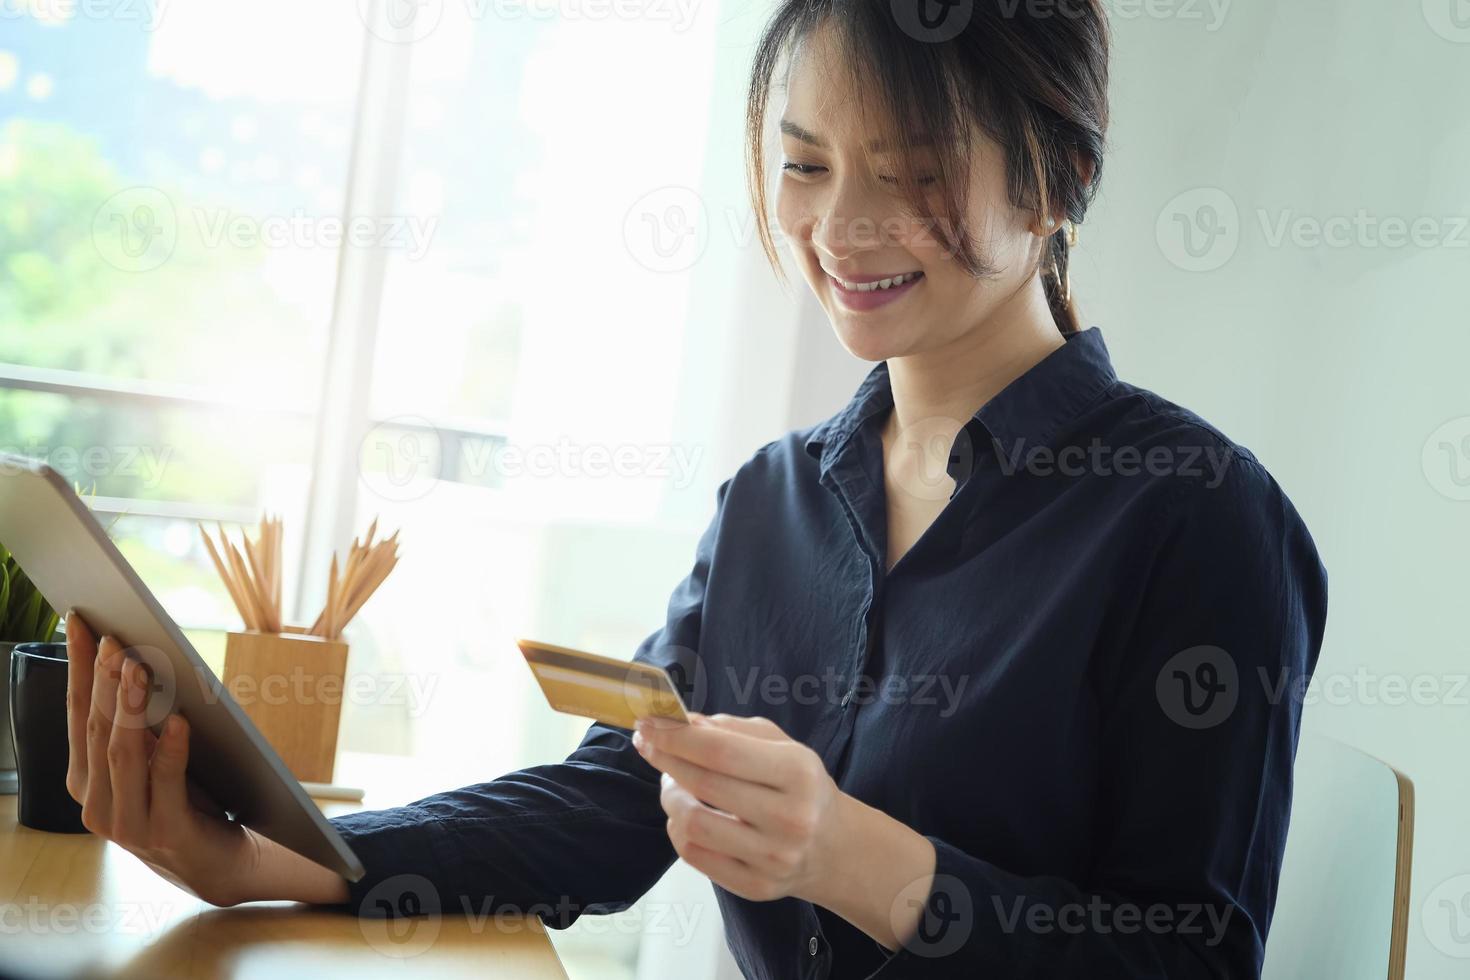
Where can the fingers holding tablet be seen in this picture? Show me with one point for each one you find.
(81, 653)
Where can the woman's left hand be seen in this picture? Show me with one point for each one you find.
(750, 807)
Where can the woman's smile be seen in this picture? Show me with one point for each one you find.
(864, 293)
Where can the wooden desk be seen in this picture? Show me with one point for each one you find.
(77, 906)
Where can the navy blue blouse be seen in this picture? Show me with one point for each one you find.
(1078, 683)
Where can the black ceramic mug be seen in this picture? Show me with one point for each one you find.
(38, 723)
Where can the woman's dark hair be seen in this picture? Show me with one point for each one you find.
(1031, 74)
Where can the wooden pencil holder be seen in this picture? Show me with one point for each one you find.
(291, 685)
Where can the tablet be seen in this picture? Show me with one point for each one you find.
(68, 556)
(614, 692)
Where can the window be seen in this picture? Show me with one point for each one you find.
(447, 272)
(166, 314)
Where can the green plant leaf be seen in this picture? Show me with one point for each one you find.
(20, 594)
(15, 603)
(24, 613)
(30, 625)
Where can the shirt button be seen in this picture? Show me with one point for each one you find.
(811, 945)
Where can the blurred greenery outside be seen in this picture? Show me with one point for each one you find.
(211, 319)
(65, 307)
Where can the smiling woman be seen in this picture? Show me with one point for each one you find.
(970, 662)
(909, 146)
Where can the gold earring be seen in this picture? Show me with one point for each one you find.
(1071, 234)
(1065, 283)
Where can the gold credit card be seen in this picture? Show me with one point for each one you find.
(614, 692)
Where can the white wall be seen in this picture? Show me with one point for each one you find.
(1335, 364)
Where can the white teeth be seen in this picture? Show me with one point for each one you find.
(868, 287)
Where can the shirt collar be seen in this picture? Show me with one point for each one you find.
(1032, 410)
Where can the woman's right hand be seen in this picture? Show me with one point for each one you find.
(131, 783)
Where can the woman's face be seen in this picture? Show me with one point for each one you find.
(846, 224)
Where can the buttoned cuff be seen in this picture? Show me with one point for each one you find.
(399, 848)
(941, 945)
